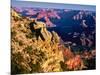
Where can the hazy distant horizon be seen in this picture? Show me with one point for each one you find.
(15, 3)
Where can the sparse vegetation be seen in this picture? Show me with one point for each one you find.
(29, 55)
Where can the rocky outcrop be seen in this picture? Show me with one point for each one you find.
(35, 49)
(29, 55)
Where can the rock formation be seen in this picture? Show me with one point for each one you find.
(34, 49)
(29, 55)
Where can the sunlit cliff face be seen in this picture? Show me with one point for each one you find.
(42, 13)
(31, 55)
